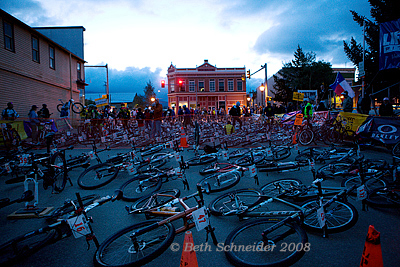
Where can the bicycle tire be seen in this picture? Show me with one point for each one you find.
(249, 197)
(21, 247)
(306, 137)
(205, 159)
(282, 186)
(117, 250)
(339, 216)
(77, 108)
(385, 197)
(59, 107)
(97, 176)
(220, 181)
(144, 167)
(160, 201)
(251, 233)
(140, 186)
(281, 153)
(238, 152)
(60, 173)
(217, 167)
(246, 160)
(396, 149)
(370, 183)
(333, 169)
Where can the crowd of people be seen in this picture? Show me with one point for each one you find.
(151, 117)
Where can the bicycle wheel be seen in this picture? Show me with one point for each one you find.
(122, 249)
(234, 202)
(334, 169)
(281, 153)
(205, 159)
(24, 246)
(97, 176)
(151, 149)
(220, 181)
(396, 149)
(156, 201)
(288, 187)
(306, 137)
(217, 167)
(60, 173)
(370, 183)
(282, 246)
(59, 107)
(77, 108)
(339, 216)
(248, 160)
(238, 152)
(385, 197)
(140, 186)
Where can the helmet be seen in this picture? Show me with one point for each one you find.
(386, 99)
(238, 103)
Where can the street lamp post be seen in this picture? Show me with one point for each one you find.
(262, 87)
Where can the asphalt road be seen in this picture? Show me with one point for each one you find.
(341, 249)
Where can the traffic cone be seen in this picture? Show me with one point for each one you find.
(372, 253)
(183, 139)
(188, 258)
(294, 138)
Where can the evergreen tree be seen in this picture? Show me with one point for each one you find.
(302, 73)
(148, 93)
(138, 101)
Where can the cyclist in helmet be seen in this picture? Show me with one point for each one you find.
(235, 113)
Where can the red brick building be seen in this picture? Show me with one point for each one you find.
(206, 86)
(36, 70)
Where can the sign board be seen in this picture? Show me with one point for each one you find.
(299, 119)
(100, 102)
(361, 71)
(309, 94)
(298, 96)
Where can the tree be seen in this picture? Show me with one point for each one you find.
(302, 73)
(138, 101)
(381, 11)
(148, 93)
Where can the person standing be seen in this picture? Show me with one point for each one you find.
(347, 102)
(9, 113)
(44, 112)
(386, 109)
(156, 131)
(235, 113)
(229, 128)
(140, 118)
(34, 122)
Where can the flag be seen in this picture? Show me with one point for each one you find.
(340, 85)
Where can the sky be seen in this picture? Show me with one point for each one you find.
(140, 39)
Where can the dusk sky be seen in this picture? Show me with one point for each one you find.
(139, 39)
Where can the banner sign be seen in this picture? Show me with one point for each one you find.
(383, 129)
(319, 117)
(351, 121)
(389, 45)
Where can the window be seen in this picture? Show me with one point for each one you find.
(201, 86)
(230, 85)
(8, 36)
(212, 85)
(78, 70)
(239, 85)
(192, 86)
(221, 85)
(52, 57)
(35, 49)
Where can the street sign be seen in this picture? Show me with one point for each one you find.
(298, 96)
(100, 102)
(361, 71)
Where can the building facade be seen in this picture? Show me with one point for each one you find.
(36, 70)
(206, 86)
